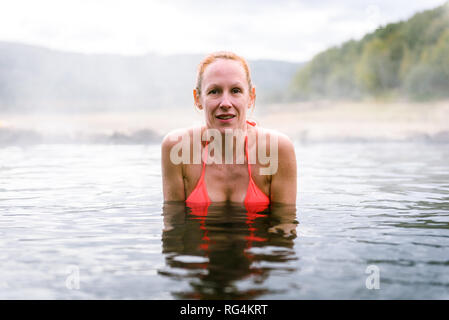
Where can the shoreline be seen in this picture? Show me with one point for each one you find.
(320, 121)
(304, 122)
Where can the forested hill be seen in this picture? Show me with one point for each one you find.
(404, 60)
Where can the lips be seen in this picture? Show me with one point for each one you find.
(225, 116)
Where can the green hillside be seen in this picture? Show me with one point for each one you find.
(404, 60)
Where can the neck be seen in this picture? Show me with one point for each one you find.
(232, 142)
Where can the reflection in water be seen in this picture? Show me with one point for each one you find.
(214, 247)
(359, 204)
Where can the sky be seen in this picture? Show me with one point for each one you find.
(256, 29)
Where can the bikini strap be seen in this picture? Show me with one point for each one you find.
(204, 159)
(252, 123)
(247, 155)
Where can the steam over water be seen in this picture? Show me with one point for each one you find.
(87, 221)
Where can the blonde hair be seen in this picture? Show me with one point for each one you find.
(221, 55)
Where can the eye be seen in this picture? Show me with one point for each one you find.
(213, 91)
(236, 90)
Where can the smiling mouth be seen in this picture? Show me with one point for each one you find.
(225, 116)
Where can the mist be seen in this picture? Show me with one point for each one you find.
(54, 96)
(391, 85)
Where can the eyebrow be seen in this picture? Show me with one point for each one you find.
(235, 84)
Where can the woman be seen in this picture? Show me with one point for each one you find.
(225, 94)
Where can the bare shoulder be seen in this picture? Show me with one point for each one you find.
(175, 136)
(284, 143)
(172, 169)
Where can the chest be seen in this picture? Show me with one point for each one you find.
(223, 182)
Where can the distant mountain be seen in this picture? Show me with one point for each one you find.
(408, 59)
(36, 79)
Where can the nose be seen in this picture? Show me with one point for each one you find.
(225, 101)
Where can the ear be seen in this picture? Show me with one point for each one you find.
(252, 96)
(196, 98)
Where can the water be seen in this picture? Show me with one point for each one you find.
(92, 215)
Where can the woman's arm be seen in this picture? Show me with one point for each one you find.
(285, 217)
(172, 174)
(283, 182)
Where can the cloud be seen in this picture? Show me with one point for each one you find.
(289, 30)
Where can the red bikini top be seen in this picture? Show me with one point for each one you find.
(255, 199)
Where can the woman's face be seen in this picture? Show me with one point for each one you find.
(225, 95)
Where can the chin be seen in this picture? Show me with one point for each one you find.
(228, 126)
